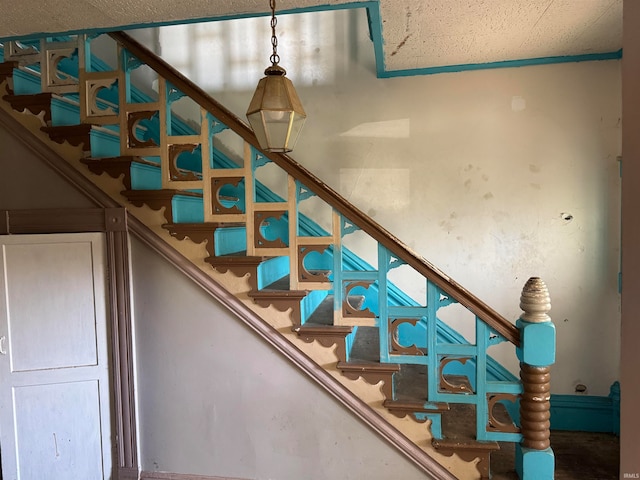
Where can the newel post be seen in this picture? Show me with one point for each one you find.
(537, 352)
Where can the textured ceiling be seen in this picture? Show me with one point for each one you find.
(417, 34)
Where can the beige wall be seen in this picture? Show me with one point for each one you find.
(213, 398)
(21, 174)
(476, 171)
(630, 361)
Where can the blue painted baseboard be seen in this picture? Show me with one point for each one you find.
(587, 413)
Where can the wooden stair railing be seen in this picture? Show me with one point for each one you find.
(326, 193)
(332, 283)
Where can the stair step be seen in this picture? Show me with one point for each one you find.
(96, 141)
(327, 336)
(372, 372)
(115, 167)
(157, 199)
(283, 299)
(401, 408)
(57, 110)
(139, 173)
(262, 270)
(200, 232)
(36, 103)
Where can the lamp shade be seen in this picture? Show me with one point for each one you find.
(275, 112)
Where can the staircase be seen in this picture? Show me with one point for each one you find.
(282, 242)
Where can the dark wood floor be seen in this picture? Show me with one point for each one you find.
(579, 455)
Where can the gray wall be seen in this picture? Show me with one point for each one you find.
(213, 398)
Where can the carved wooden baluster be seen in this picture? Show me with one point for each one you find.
(534, 456)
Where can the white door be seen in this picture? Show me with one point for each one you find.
(54, 379)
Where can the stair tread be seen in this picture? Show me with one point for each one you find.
(324, 329)
(25, 98)
(415, 406)
(121, 159)
(162, 193)
(363, 365)
(207, 226)
(268, 293)
(240, 258)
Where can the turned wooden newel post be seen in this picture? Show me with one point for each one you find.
(537, 352)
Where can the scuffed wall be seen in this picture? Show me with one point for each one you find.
(493, 175)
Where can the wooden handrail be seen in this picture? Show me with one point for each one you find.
(326, 193)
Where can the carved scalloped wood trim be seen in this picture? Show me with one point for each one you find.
(36, 103)
(403, 408)
(372, 373)
(74, 134)
(115, 167)
(269, 334)
(282, 300)
(327, 336)
(199, 232)
(239, 266)
(469, 452)
(157, 199)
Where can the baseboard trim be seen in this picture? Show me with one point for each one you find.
(130, 473)
(181, 476)
(587, 413)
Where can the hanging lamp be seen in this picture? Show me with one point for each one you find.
(275, 112)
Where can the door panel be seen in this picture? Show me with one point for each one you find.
(54, 378)
(47, 328)
(73, 448)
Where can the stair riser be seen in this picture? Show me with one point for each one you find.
(145, 177)
(187, 209)
(271, 270)
(25, 83)
(104, 145)
(232, 240)
(64, 113)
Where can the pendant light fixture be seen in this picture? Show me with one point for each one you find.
(275, 112)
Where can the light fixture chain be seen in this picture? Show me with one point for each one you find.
(275, 58)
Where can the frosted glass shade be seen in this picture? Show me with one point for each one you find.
(275, 112)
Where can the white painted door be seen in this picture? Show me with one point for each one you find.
(54, 379)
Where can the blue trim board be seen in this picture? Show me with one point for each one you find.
(617, 55)
(587, 413)
(376, 34)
